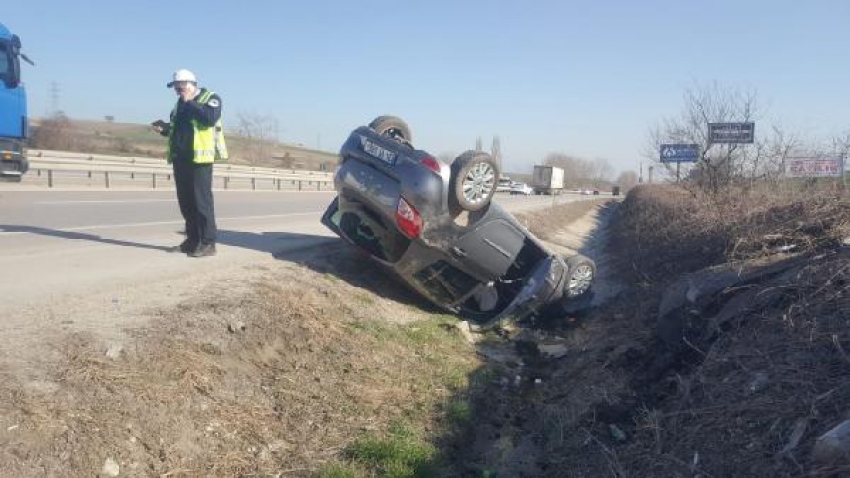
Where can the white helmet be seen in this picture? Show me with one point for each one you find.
(182, 75)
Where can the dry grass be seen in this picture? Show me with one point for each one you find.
(546, 223)
(665, 231)
(323, 371)
(187, 397)
(130, 139)
(751, 401)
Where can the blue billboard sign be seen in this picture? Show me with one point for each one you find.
(679, 153)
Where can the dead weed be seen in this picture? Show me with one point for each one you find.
(279, 381)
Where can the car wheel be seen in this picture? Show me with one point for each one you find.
(581, 272)
(473, 181)
(393, 127)
(578, 296)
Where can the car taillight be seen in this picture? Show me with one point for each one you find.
(408, 219)
(431, 164)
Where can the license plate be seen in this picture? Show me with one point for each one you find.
(377, 151)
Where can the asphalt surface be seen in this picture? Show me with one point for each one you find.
(56, 244)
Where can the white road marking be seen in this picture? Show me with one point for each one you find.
(160, 223)
(106, 201)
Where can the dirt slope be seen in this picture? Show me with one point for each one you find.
(278, 373)
(280, 376)
(274, 377)
(752, 380)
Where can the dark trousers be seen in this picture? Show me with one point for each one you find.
(194, 194)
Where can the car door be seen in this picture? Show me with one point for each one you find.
(489, 248)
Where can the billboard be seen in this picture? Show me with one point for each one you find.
(679, 153)
(814, 167)
(731, 132)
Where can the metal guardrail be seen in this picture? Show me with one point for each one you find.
(157, 171)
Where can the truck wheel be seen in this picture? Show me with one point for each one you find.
(393, 127)
(473, 181)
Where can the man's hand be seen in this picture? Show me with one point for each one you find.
(188, 92)
(159, 126)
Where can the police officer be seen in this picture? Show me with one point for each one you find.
(195, 141)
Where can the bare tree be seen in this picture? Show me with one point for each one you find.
(765, 159)
(54, 132)
(580, 172)
(627, 180)
(603, 172)
(841, 144)
(260, 135)
(496, 151)
(704, 105)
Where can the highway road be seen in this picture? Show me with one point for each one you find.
(95, 261)
(58, 244)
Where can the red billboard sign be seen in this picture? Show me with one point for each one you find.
(814, 167)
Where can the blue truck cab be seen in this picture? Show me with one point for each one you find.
(13, 108)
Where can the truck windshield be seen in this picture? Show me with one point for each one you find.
(5, 61)
(6, 64)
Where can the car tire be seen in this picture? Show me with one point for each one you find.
(581, 272)
(393, 127)
(474, 178)
(582, 269)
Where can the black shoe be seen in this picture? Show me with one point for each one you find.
(185, 247)
(203, 250)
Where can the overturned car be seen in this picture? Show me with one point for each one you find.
(436, 227)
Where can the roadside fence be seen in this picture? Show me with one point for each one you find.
(74, 169)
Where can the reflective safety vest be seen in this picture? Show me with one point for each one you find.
(208, 143)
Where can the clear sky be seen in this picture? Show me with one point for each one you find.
(582, 78)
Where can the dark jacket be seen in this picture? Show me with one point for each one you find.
(180, 128)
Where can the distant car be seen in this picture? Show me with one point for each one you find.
(435, 226)
(585, 192)
(522, 188)
(504, 186)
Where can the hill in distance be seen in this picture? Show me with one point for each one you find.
(132, 139)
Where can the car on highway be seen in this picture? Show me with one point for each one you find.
(436, 227)
(522, 188)
(504, 185)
